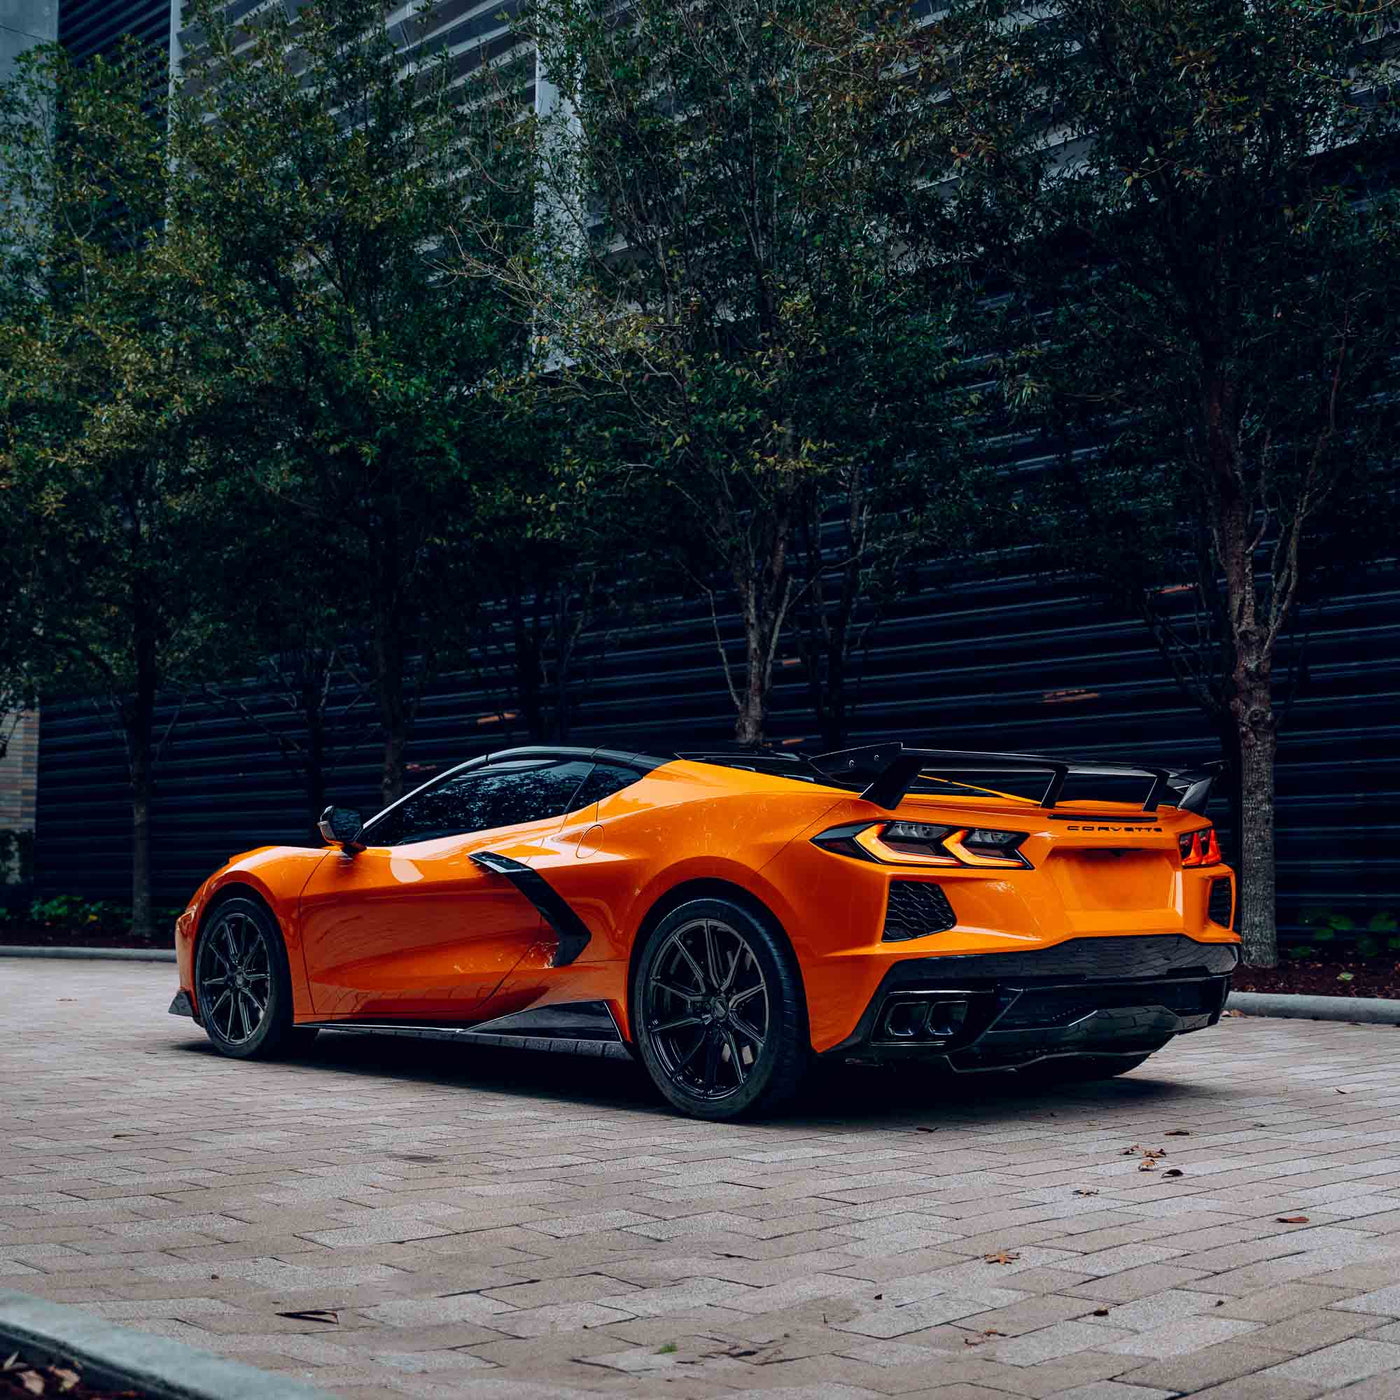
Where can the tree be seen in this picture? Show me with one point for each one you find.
(104, 405)
(313, 724)
(323, 163)
(1187, 206)
(714, 177)
(917, 487)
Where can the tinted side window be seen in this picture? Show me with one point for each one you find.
(480, 800)
(603, 781)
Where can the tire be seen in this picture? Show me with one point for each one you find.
(1082, 1069)
(718, 1014)
(242, 983)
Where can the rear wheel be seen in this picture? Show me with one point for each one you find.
(718, 1012)
(242, 983)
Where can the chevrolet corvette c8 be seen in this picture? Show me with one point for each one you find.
(728, 916)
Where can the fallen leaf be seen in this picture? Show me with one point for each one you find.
(879, 1297)
(1291, 1219)
(1179, 1132)
(925, 1130)
(1173, 1171)
(1079, 1192)
(1344, 1091)
(1220, 1302)
(312, 1315)
(1002, 1256)
(1129, 1151)
(1100, 1312)
(66, 1379)
(1148, 1164)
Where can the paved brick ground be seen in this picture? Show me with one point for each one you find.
(507, 1224)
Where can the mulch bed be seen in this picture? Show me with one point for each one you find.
(20, 935)
(1376, 977)
(23, 1380)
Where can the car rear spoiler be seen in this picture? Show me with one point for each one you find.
(895, 768)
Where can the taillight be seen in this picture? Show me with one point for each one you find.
(922, 843)
(1199, 847)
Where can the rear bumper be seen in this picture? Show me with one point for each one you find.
(1116, 995)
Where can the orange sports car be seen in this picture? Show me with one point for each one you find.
(727, 916)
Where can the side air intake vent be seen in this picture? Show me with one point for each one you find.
(1222, 905)
(916, 907)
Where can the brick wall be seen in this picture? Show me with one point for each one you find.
(18, 769)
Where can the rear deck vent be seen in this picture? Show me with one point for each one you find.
(916, 907)
(1222, 904)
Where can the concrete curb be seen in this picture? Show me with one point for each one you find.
(1372, 1011)
(113, 954)
(166, 1369)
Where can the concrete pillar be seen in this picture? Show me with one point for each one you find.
(24, 23)
(18, 773)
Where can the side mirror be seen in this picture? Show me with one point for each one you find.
(339, 826)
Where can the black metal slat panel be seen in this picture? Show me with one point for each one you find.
(87, 27)
(945, 672)
(979, 663)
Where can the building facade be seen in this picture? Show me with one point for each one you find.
(970, 658)
(24, 23)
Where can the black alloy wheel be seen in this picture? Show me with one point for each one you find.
(718, 1011)
(241, 981)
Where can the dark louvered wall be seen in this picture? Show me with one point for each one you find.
(87, 27)
(1005, 663)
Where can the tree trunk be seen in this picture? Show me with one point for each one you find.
(529, 673)
(141, 927)
(833, 715)
(138, 720)
(1230, 788)
(1236, 534)
(753, 707)
(392, 770)
(763, 622)
(389, 661)
(764, 585)
(314, 712)
(1258, 742)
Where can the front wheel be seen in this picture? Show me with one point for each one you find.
(242, 983)
(718, 1013)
